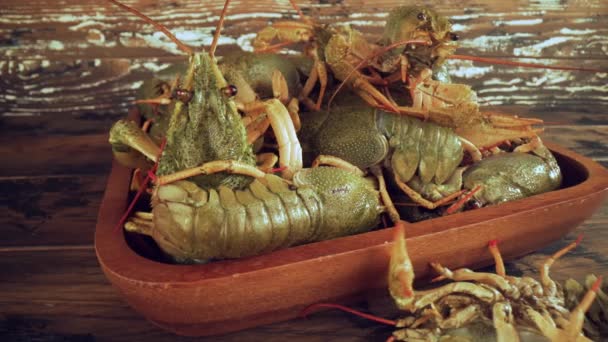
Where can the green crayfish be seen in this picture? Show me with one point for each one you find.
(211, 202)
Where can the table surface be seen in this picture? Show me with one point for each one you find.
(70, 69)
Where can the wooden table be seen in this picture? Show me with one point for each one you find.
(70, 69)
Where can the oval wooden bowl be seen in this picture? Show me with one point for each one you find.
(227, 296)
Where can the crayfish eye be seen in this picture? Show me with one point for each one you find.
(230, 90)
(454, 36)
(421, 16)
(183, 95)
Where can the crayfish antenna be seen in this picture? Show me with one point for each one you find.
(500, 265)
(545, 279)
(218, 29)
(401, 270)
(300, 13)
(520, 64)
(159, 26)
(577, 316)
(311, 308)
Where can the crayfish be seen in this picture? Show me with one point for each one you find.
(520, 309)
(211, 202)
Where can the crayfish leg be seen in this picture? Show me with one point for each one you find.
(340, 163)
(401, 271)
(577, 316)
(229, 166)
(417, 197)
(502, 317)
(141, 223)
(548, 284)
(500, 265)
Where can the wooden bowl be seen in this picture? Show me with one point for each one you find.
(226, 296)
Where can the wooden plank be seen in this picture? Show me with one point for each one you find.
(49, 210)
(50, 295)
(86, 96)
(589, 141)
(90, 30)
(55, 155)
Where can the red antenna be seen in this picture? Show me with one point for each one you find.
(218, 29)
(159, 26)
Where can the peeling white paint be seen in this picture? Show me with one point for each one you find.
(536, 49)
(497, 81)
(154, 67)
(520, 22)
(471, 71)
(56, 45)
(244, 41)
(136, 85)
(499, 43)
(48, 90)
(566, 30)
(87, 23)
(367, 23)
(366, 15)
(460, 27)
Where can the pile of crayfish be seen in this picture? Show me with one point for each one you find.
(480, 306)
(250, 152)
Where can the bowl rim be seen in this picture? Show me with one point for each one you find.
(117, 258)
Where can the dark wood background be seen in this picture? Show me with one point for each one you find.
(70, 68)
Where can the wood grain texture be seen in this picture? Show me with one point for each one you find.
(49, 210)
(91, 30)
(69, 69)
(87, 96)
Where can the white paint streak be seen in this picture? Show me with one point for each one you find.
(87, 23)
(536, 49)
(367, 23)
(582, 20)
(366, 15)
(154, 67)
(520, 22)
(244, 41)
(499, 43)
(497, 81)
(56, 45)
(471, 71)
(460, 27)
(136, 85)
(566, 30)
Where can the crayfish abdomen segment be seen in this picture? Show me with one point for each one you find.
(195, 225)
